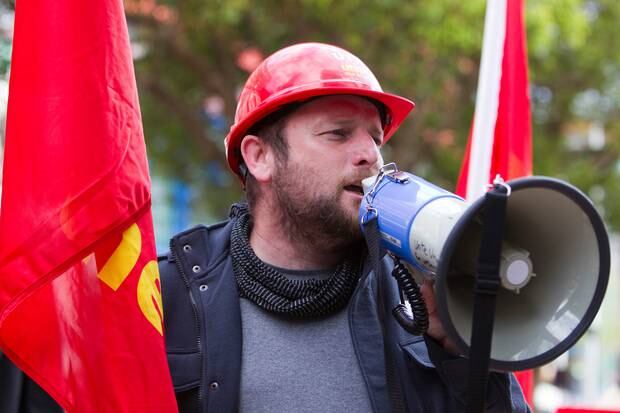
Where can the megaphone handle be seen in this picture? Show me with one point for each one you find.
(485, 292)
(418, 324)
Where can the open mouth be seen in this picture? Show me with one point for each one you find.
(356, 189)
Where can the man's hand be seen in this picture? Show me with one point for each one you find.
(435, 327)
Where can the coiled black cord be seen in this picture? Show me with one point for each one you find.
(271, 290)
(418, 324)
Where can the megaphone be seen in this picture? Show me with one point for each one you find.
(554, 266)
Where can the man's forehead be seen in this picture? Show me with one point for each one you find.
(341, 108)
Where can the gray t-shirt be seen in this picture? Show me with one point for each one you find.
(299, 365)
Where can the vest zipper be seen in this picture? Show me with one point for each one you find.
(179, 267)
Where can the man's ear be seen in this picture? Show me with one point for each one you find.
(258, 158)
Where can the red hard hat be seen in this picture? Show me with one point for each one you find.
(301, 72)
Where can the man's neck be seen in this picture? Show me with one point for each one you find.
(271, 243)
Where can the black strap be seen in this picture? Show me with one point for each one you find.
(373, 242)
(485, 292)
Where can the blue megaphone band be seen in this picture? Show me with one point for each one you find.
(396, 203)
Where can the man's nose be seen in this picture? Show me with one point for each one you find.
(366, 152)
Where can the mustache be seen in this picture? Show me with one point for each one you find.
(357, 178)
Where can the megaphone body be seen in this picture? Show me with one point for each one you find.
(554, 265)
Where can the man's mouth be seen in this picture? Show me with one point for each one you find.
(356, 189)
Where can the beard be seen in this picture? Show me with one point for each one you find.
(312, 217)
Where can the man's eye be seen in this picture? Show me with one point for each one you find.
(338, 132)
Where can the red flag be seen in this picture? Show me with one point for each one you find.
(80, 301)
(500, 140)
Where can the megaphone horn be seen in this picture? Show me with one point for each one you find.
(554, 268)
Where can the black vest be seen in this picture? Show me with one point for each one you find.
(202, 324)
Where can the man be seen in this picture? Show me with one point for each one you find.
(278, 308)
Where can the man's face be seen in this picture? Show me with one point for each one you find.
(333, 143)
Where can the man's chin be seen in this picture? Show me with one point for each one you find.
(353, 209)
(356, 230)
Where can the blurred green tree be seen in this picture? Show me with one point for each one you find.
(429, 51)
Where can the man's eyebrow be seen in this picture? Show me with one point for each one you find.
(375, 131)
(340, 122)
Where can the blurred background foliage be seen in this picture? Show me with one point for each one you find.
(193, 56)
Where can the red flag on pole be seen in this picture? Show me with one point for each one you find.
(80, 301)
(500, 140)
